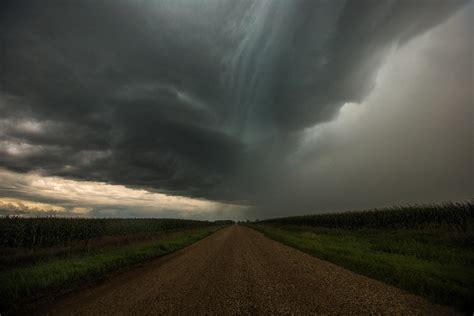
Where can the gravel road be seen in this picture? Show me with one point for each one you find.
(239, 271)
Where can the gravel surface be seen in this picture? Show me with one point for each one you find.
(239, 271)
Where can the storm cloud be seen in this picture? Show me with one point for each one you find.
(230, 101)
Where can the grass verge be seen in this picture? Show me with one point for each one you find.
(435, 264)
(32, 282)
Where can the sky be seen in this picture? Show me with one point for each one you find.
(246, 109)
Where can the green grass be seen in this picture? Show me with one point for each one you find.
(437, 264)
(31, 282)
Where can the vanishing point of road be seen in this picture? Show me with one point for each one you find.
(240, 271)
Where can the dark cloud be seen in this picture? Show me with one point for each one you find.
(196, 98)
(408, 141)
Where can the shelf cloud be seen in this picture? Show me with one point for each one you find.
(265, 107)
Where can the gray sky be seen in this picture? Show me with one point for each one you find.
(233, 109)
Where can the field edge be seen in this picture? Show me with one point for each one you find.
(268, 230)
(21, 289)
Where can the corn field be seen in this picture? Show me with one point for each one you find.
(45, 232)
(457, 216)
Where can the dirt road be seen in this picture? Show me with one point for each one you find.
(239, 271)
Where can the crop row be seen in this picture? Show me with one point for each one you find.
(458, 216)
(44, 232)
